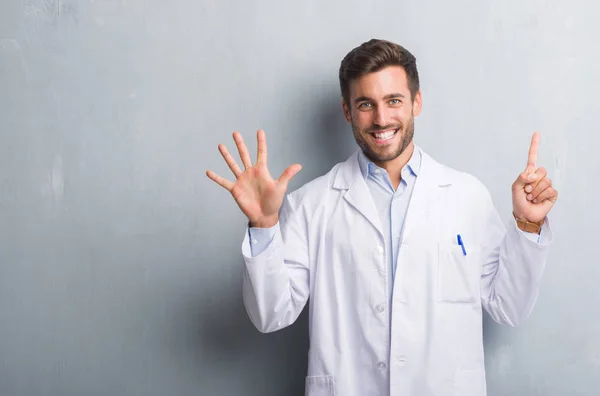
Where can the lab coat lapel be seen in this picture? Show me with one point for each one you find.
(427, 193)
(350, 178)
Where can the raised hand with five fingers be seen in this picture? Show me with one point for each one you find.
(258, 195)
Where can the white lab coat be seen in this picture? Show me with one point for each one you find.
(329, 246)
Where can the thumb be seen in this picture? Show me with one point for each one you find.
(524, 179)
(287, 174)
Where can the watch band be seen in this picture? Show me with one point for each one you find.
(529, 226)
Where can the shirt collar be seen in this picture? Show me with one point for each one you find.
(367, 167)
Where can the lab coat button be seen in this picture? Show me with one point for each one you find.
(380, 308)
(381, 366)
(379, 250)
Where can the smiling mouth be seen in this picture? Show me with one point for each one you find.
(383, 136)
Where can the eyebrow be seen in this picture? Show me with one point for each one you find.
(390, 96)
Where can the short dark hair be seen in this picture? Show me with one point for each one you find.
(373, 56)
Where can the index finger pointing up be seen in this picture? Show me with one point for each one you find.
(533, 153)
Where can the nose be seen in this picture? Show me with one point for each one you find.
(381, 116)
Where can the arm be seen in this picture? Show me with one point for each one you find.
(276, 281)
(275, 287)
(513, 265)
(513, 260)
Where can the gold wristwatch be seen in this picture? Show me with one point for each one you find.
(528, 226)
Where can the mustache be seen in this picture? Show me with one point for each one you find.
(383, 128)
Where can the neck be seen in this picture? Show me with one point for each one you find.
(394, 167)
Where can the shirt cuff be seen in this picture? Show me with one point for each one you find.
(544, 237)
(260, 238)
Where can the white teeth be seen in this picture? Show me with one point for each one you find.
(384, 135)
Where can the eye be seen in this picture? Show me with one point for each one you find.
(395, 102)
(365, 105)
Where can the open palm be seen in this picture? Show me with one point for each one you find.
(258, 195)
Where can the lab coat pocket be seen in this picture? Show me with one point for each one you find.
(458, 274)
(322, 385)
(469, 383)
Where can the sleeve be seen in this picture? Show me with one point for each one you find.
(276, 280)
(513, 265)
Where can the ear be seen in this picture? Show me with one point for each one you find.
(417, 104)
(346, 111)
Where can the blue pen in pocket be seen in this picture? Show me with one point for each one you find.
(462, 245)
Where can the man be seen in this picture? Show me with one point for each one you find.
(398, 253)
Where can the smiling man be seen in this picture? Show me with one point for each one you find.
(399, 254)
(383, 122)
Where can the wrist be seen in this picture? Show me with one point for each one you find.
(264, 223)
(528, 226)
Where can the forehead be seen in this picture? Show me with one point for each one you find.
(391, 79)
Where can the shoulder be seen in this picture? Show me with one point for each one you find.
(461, 182)
(314, 192)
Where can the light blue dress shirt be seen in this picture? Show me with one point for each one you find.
(391, 204)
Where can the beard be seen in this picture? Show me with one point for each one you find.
(385, 153)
